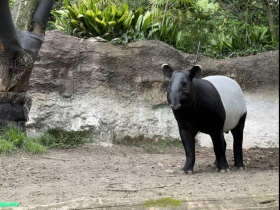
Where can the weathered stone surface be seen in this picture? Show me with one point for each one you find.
(252, 72)
(118, 91)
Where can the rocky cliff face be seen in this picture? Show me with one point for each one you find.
(118, 91)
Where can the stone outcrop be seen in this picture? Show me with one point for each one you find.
(118, 91)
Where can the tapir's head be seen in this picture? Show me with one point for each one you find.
(180, 91)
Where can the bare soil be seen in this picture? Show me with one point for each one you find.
(130, 172)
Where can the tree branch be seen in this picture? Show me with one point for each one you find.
(222, 5)
(165, 11)
(270, 18)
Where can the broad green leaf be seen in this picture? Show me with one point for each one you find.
(147, 20)
(178, 38)
(96, 29)
(135, 17)
(139, 23)
(66, 3)
(114, 10)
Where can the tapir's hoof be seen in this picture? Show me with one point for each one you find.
(189, 172)
(224, 171)
(215, 165)
(240, 168)
(186, 172)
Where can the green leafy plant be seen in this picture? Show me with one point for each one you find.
(221, 45)
(141, 30)
(169, 33)
(12, 4)
(258, 37)
(89, 19)
(224, 28)
(115, 22)
(245, 41)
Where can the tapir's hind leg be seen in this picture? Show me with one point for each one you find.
(219, 149)
(237, 133)
(215, 164)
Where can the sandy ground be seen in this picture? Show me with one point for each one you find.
(130, 172)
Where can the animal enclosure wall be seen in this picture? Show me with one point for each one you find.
(118, 91)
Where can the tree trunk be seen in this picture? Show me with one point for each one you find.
(23, 12)
(270, 18)
(19, 46)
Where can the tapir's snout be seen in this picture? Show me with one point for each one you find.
(174, 100)
(176, 107)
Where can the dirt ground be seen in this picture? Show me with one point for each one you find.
(130, 172)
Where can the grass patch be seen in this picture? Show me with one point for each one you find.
(6, 147)
(58, 138)
(12, 138)
(162, 202)
(151, 145)
(15, 135)
(34, 146)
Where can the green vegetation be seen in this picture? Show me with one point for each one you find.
(34, 146)
(162, 202)
(224, 28)
(58, 138)
(13, 139)
(12, 3)
(151, 145)
(112, 21)
(6, 147)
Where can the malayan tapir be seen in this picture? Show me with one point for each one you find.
(213, 105)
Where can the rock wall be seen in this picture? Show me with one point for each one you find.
(118, 91)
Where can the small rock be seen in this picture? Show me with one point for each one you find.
(160, 164)
(169, 171)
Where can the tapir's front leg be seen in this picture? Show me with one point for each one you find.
(188, 134)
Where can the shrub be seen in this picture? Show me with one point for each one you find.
(248, 41)
(115, 22)
(88, 19)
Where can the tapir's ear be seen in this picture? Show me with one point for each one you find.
(167, 70)
(195, 72)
